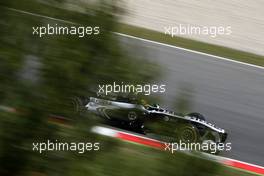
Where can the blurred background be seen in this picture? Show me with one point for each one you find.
(40, 76)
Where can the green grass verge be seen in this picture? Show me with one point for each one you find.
(192, 44)
(128, 159)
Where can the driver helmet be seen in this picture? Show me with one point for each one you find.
(156, 105)
(143, 102)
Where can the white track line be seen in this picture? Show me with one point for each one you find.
(189, 50)
(145, 40)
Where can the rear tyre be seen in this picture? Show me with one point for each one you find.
(188, 134)
(132, 115)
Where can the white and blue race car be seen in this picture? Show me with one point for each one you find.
(143, 118)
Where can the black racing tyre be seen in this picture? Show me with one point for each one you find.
(188, 133)
(197, 115)
(132, 115)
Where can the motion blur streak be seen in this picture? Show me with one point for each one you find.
(41, 76)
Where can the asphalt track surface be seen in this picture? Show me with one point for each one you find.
(229, 94)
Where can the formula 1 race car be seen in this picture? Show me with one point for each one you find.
(129, 115)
